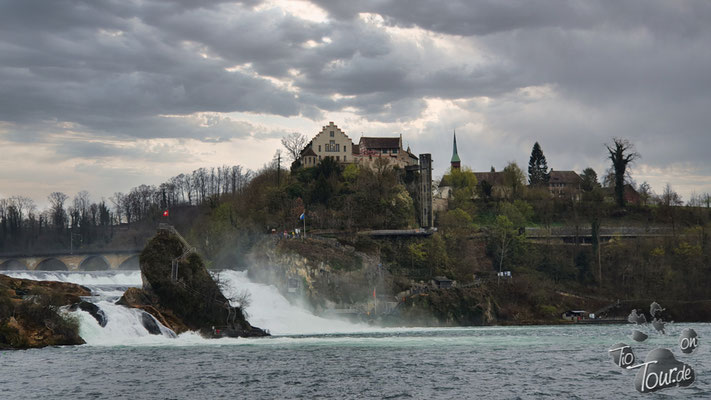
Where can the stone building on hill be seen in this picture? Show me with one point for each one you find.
(493, 184)
(564, 182)
(332, 142)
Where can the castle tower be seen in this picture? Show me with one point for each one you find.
(456, 162)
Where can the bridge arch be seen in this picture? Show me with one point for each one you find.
(130, 263)
(94, 263)
(51, 264)
(12, 265)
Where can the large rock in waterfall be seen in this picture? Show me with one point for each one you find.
(194, 301)
(30, 316)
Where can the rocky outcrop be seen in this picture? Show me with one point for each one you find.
(93, 310)
(30, 316)
(321, 271)
(447, 307)
(193, 302)
(147, 301)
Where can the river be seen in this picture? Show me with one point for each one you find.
(310, 357)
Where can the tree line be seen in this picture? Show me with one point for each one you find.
(82, 221)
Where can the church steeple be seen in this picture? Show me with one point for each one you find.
(456, 162)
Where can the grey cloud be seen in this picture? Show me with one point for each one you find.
(635, 69)
(484, 17)
(76, 71)
(83, 76)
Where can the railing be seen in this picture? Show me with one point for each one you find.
(623, 231)
(176, 261)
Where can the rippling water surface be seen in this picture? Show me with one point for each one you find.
(487, 362)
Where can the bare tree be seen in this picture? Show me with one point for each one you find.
(294, 143)
(117, 200)
(23, 204)
(81, 203)
(59, 215)
(670, 198)
(621, 154)
(645, 192)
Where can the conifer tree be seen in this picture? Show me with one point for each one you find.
(538, 167)
(589, 177)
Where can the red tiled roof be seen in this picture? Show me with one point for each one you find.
(570, 177)
(308, 151)
(494, 178)
(373, 143)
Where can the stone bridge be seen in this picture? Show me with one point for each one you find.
(78, 261)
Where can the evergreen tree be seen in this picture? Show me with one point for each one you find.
(538, 167)
(589, 177)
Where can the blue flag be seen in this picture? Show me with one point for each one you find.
(303, 215)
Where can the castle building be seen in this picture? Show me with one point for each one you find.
(332, 142)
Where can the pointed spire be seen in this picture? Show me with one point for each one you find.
(455, 156)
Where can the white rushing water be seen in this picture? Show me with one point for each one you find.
(268, 309)
(123, 327)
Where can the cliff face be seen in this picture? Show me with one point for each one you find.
(29, 314)
(449, 307)
(330, 275)
(193, 302)
(321, 271)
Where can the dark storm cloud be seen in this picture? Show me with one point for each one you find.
(636, 69)
(464, 17)
(109, 66)
(484, 17)
(105, 68)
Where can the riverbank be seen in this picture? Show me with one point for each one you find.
(339, 279)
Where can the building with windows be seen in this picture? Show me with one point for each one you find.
(563, 183)
(332, 142)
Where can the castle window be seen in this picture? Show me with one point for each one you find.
(332, 134)
(319, 148)
(344, 158)
(338, 158)
(332, 146)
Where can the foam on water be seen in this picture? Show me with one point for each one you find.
(268, 309)
(123, 327)
(88, 279)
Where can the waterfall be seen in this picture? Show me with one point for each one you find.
(268, 309)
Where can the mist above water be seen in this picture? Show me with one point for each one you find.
(268, 309)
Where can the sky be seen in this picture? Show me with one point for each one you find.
(105, 95)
